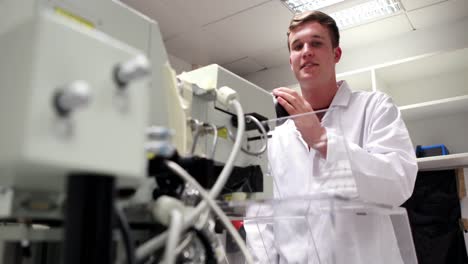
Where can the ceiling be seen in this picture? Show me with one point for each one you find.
(246, 36)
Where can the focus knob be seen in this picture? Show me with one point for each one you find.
(72, 96)
(131, 70)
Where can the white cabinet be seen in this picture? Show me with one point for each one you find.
(432, 93)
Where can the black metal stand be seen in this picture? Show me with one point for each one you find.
(89, 219)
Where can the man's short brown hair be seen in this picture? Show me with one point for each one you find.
(319, 17)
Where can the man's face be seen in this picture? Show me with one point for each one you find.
(312, 55)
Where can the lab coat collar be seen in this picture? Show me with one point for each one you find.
(342, 96)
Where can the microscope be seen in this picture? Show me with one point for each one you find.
(91, 111)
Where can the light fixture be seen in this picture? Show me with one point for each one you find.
(365, 12)
(350, 16)
(298, 6)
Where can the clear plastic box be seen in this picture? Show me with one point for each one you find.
(316, 213)
(321, 229)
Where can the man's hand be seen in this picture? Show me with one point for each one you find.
(309, 126)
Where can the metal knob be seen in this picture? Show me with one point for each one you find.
(159, 133)
(160, 141)
(72, 96)
(131, 70)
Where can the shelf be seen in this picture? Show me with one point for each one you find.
(357, 80)
(421, 67)
(435, 108)
(426, 78)
(451, 161)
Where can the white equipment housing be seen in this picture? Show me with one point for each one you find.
(41, 52)
(253, 100)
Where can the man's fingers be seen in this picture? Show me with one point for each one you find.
(285, 90)
(294, 103)
(288, 97)
(287, 106)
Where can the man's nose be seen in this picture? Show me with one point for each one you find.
(307, 50)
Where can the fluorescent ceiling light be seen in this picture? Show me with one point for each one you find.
(350, 16)
(298, 6)
(365, 12)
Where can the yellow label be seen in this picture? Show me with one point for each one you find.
(228, 197)
(75, 18)
(223, 133)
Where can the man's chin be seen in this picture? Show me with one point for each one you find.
(307, 76)
(309, 71)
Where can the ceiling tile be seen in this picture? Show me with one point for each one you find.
(214, 10)
(243, 66)
(203, 48)
(273, 78)
(260, 28)
(415, 4)
(172, 21)
(273, 58)
(375, 31)
(439, 13)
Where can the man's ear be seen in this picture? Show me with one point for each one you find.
(290, 64)
(338, 52)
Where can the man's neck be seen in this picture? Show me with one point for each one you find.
(320, 96)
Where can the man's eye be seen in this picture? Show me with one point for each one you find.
(316, 44)
(297, 47)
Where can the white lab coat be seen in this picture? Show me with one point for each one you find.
(369, 156)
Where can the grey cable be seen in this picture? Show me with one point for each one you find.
(155, 243)
(184, 243)
(126, 235)
(195, 137)
(265, 138)
(216, 209)
(226, 172)
(175, 229)
(215, 140)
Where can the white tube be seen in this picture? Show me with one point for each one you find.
(215, 140)
(265, 138)
(212, 204)
(154, 243)
(175, 229)
(226, 172)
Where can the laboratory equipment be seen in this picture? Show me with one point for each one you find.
(84, 92)
(71, 97)
(251, 165)
(64, 106)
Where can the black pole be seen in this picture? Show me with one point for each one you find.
(89, 219)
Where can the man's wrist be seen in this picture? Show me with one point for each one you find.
(320, 142)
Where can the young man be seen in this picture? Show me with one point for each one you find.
(359, 148)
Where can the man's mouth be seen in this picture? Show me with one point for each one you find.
(309, 64)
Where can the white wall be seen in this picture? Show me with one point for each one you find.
(178, 64)
(273, 77)
(414, 43)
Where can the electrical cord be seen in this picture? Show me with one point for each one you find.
(212, 204)
(175, 230)
(264, 137)
(215, 140)
(198, 131)
(197, 125)
(228, 167)
(184, 243)
(157, 242)
(126, 235)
